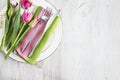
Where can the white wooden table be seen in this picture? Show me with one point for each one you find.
(90, 49)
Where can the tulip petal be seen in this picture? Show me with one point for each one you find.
(26, 4)
(27, 17)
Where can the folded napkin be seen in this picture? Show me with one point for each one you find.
(28, 37)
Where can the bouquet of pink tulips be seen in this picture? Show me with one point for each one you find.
(17, 24)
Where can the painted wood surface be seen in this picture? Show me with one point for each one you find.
(90, 48)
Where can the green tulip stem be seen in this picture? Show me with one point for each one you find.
(14, 43)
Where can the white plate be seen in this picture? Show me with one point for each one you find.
(54, 42)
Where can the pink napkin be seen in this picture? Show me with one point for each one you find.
(29, 48)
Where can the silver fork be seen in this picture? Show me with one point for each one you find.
(45, 17)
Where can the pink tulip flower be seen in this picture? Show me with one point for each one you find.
(26, 4)
(27, 17)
